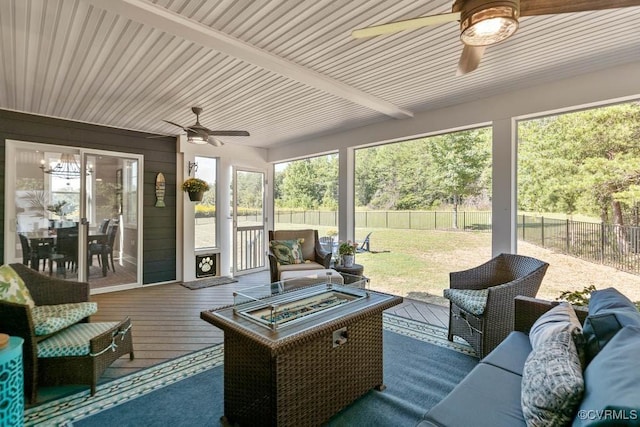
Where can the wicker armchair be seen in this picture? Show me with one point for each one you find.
(16, 319)
(312, 251)
(503, 278)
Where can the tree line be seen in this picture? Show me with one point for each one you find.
(586, 162)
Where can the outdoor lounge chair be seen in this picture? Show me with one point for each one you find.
(364, 245)
(314, 257)
(482, 298)
(60, 345)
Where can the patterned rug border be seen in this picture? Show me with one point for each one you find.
(64, 411)
(432, 334)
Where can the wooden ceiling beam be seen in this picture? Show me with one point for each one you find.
(147, 13)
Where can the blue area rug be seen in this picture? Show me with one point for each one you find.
(420, 368)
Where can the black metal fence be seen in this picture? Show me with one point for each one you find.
(613, 245)
(608, 244)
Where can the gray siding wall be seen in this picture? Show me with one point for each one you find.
(159, 233)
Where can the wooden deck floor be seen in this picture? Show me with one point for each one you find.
(166, 319)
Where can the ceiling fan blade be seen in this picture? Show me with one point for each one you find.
(215, 141)
(229, 132)
(470, 59)
(175, 124)
(160, 136)
(409, 24)
(548, 7)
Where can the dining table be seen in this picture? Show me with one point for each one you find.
(43, 243)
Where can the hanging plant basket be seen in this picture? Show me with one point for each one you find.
(195, 196)
(195, 188)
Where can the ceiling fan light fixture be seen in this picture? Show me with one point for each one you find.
(489, 24)
(195, 138)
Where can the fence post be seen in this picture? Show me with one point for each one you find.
(464, 220)
(435, 220)
(567, 235)
(523, 222)
(542, 232)
(409, 220)
(602, 231)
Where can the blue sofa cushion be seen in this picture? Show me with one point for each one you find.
(612, 393)
(511, 353)
(552, 382)
(609, 311)
(487, 390)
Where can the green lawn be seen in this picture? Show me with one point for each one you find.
(418, 262)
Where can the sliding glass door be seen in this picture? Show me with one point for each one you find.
(74, 213)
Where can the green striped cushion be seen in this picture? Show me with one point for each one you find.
(470, 300)
(73, 341)
(48, 319)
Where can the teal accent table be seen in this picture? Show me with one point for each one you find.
(12, 384)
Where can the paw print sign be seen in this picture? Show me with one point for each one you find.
(206, 264)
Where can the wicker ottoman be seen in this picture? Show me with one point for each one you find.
(81, 353)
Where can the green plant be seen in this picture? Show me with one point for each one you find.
(577, 297)
(347, 248)
(194, 185)
(60, 208)
(582, 297)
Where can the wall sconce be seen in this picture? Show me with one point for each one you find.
(193, 167)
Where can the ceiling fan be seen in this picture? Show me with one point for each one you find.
(198, 134)
(487, 22)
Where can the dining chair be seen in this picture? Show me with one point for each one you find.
(35, 250)
(67, 247)
(104, 225)
(106, 246)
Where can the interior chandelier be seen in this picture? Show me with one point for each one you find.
(488, 22)
(67, 167)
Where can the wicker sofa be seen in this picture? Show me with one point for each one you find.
(76, 351)
(491, 393)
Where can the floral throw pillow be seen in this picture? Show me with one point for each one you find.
(287, 251)
(12, 287)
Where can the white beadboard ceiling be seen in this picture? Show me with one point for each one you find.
(285, 70)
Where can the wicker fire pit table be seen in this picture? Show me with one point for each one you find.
(298, 357)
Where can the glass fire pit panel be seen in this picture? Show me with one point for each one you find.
(282, 304)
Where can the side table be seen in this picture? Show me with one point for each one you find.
(12, 384)
(355, 270)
